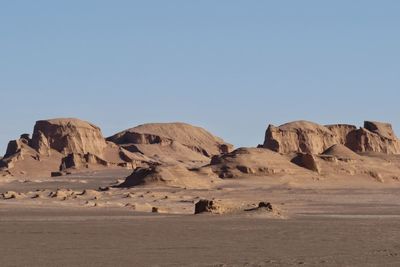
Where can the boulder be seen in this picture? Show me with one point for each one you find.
(262, 206)
(67, 136)
(205, 206)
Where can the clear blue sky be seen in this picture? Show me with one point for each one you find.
(232, 67)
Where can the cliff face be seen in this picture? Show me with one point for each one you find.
(61, 146)
(363, 140)
(57, 145)
(67, 136)
(299, 137)
(308, 137)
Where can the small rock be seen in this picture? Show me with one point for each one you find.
(56, 174)
(204, 205)
(265, 205)
(103, 189)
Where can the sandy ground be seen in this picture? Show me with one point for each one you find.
(320, 223)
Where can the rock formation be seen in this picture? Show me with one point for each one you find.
(252, 162)
(206, 206)
(307, 161)
(58, 145)
(341, 131)
(341, 152)
(171, 141)
(178, 154)
(374, 137)
(308, 137)
(175, 175)
(380, 128)
(67, 136)
(299, 137)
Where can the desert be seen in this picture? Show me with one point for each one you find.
(178, 182)
(199, 133)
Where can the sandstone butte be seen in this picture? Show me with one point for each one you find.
(179, 154)
(68, 144)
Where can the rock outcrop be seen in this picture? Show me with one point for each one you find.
(341, 152)
(206, 206)
(67, 136)
(299, 137)
(76, 161)
(374, 137)
(169, 142)
(251, 162)
(307, 161)
(308, 137)
(341, 131)
(176, 175)
(61, 144)
(382, 129)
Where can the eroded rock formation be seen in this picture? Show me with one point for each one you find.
(308, 137)
(67, 136)
(179, 142)
(252, 162)
(299, 137)
(61, 144)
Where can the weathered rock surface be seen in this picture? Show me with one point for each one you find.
(67, 136)
(341, 131)
(299, 137)
(381, 128)
(251, 162)
(176, 175)
(184, 135)
(374, 137)
(206, 206)
(307, 161)
(341, 152)
(61, 144)
(308, 137)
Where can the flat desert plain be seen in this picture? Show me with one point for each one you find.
(318, 223)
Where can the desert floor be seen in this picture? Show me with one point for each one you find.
(319, 223)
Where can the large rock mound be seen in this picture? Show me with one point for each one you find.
(299, 137)
(341, 152)
(374, 137)
(252, 162)
(64, 145)
(308, 137)
(176, 175)
(171, 141)
(67, 136)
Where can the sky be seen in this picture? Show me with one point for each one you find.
(232, 67)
